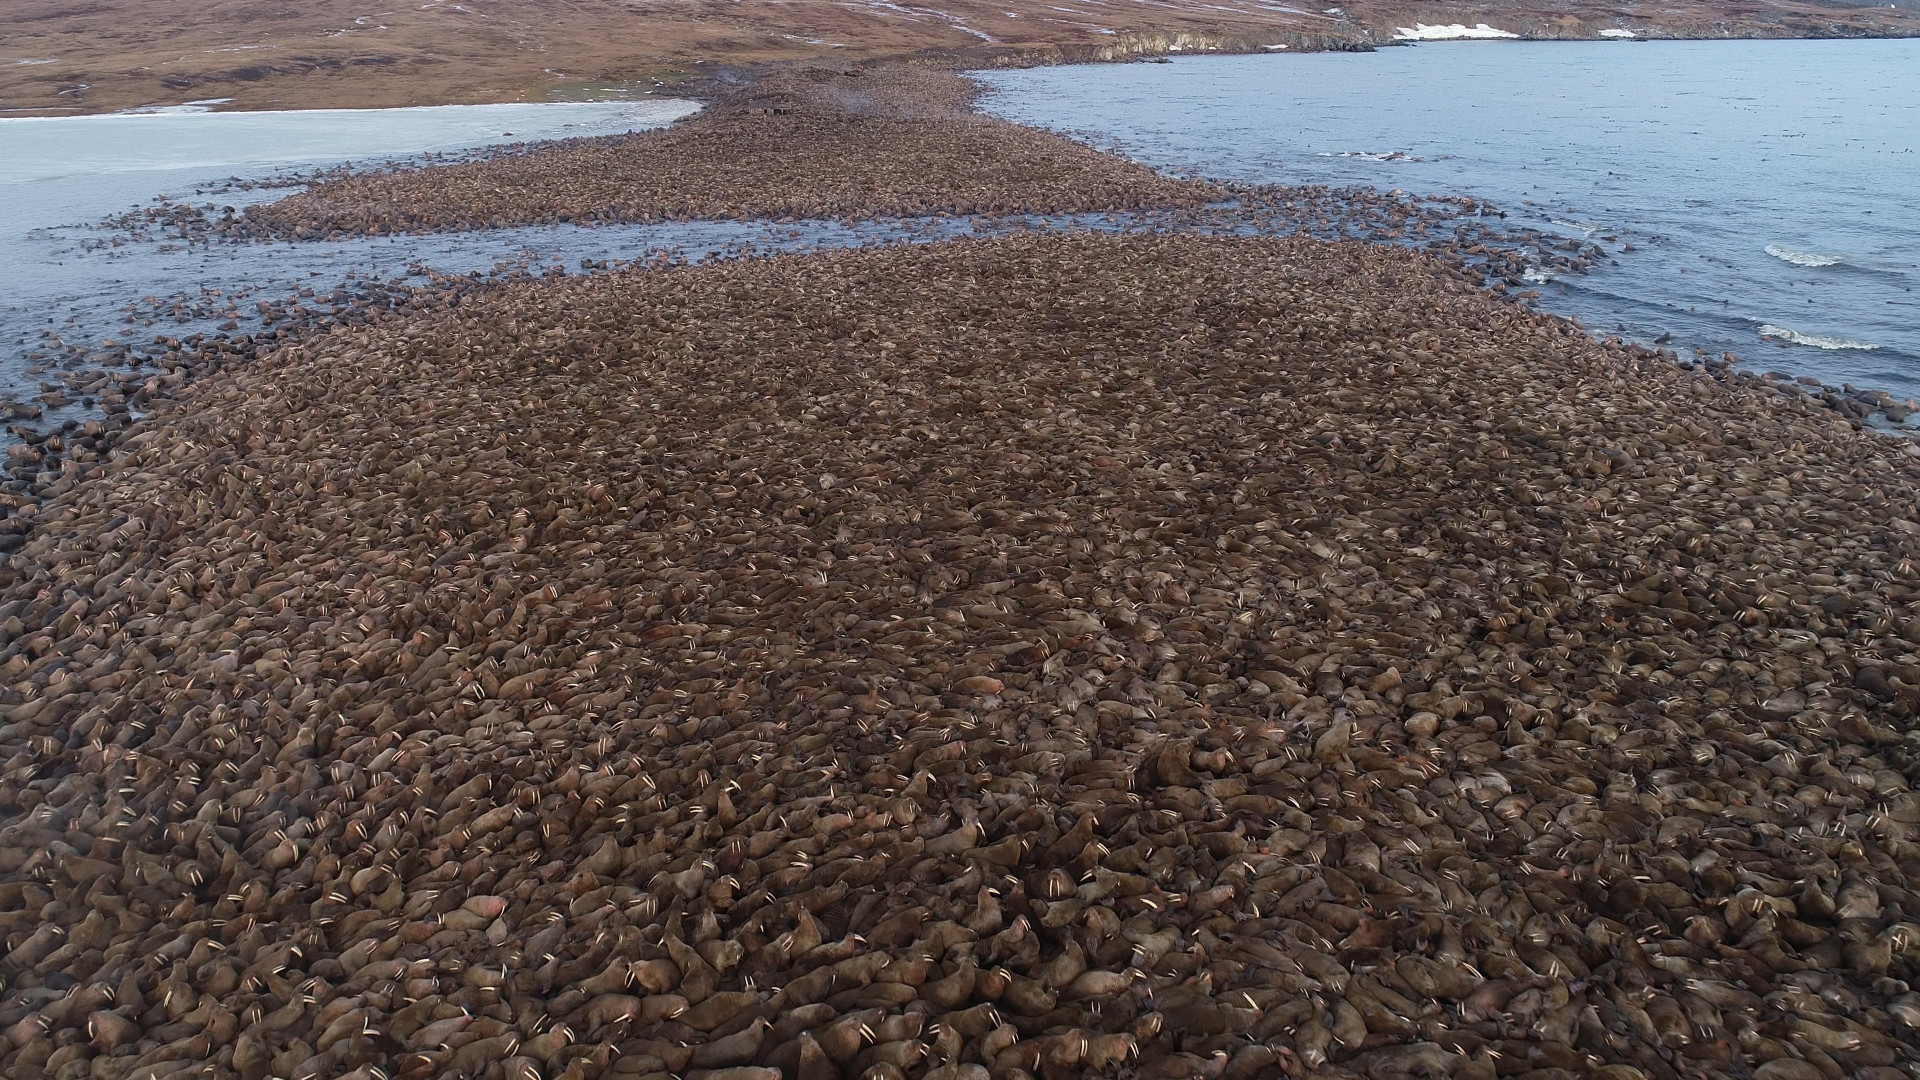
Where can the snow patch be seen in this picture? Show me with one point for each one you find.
(183, 109)
(1450, 32)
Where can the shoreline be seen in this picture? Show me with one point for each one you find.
(940, 93)
(413, 200)
(1152, 142)
(937, 91)
(706, 77)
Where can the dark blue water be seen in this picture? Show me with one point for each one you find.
(1769, 190)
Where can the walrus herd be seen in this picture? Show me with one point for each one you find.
(1040, 656)
(802, 143)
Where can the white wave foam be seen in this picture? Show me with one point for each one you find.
(1535, 276)
(1616, 33)
(1374, 155)
(1781, 333)
(1802, 258)
(1450, 32)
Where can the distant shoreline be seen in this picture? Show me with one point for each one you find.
(316, 83)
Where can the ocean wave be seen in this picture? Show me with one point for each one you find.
(1802, 258)
(1372, 155)
(1781, 333)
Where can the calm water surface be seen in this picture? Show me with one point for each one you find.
(1770, 190)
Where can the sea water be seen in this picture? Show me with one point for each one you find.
(1769, 191)
(58, 170)
(60, 176)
